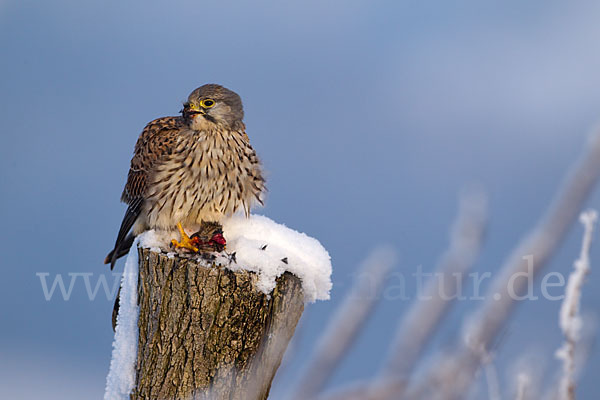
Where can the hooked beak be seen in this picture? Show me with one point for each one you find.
(191, 110)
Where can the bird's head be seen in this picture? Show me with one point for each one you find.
(211, 105)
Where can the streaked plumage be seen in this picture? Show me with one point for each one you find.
(193, 168)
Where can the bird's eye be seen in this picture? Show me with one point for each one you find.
(207, 103)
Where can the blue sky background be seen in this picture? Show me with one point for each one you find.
(369, 116)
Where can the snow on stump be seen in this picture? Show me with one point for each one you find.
(213, 330)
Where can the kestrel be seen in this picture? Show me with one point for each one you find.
(194, 168)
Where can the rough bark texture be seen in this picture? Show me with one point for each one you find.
(207, 332)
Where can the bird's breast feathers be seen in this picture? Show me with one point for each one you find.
(207, 175)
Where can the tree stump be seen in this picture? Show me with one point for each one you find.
(207, 332)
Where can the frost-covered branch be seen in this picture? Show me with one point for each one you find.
(415, 330)
(523, 382)
(491, 378)
(485, 325)
(344, 327)
(570, 319)
(418, 326)
(583, 351)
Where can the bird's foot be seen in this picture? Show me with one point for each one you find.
(186, 242)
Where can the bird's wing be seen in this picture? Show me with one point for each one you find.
(154, 144)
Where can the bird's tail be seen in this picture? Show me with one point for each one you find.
(121, 248)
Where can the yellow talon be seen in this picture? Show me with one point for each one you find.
(186, 242)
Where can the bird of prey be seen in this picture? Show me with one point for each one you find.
(189, 169)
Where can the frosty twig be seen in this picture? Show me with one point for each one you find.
(570, 319)
(346, 324)
(484, 326)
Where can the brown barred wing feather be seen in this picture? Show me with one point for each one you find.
(154, 144)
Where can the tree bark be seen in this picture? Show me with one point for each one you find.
(207, 332)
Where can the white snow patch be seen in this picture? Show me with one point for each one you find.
(121, 375)
(306, 257)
